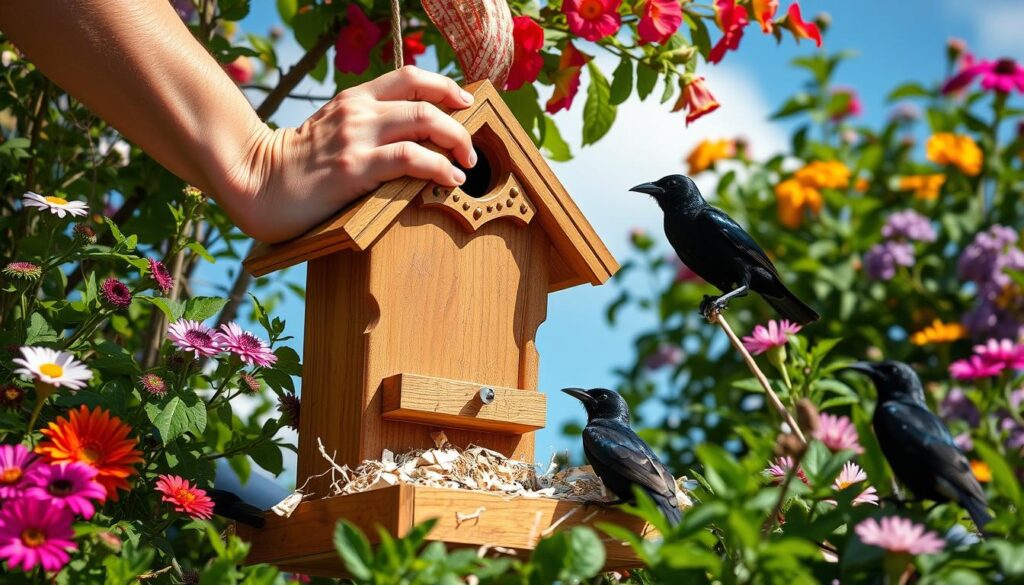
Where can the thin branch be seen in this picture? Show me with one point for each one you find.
(716, 317)
(291, 96)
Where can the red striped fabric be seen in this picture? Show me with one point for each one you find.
(480, 33)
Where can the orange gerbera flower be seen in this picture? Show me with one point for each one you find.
(97, 439)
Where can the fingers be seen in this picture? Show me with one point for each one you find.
(402, 159)
(412, 84)
(419, 121)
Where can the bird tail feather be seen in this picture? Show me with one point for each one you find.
(668, 509)
(790, 307)
(978, 511)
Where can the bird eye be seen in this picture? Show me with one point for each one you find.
(602, 396)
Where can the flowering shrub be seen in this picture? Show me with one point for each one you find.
(906, 238)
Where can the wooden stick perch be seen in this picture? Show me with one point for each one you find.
(716, 317)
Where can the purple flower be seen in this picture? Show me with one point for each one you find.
(881, 260)
(115, 294)
(964, 442)
(977, 263)
(910, 225)
(899, 535)
(838, 433)
(158, 272)
(1002, 76)
(68, 484)
(956, 405)
(248, 347)
(193, 336)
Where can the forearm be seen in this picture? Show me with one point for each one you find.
(136, 65)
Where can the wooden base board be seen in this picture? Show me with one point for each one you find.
(304, 542)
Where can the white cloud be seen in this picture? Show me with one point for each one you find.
(997, 25)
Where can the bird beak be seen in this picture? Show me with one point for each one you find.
(649, 188)
(579, 394)
(865, 368)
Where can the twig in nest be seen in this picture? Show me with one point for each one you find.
(551, 529)
(474, 515)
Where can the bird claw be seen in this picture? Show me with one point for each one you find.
(712, 305)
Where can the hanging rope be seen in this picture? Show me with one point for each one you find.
(773, 398)
(396, 34)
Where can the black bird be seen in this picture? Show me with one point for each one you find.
(619, 457)
(232, 507)
(719, 250)
(918, 446)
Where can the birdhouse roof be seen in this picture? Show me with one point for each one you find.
(581, 256)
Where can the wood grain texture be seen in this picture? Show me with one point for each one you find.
(457, 404)
(360, 224)
(303, 543)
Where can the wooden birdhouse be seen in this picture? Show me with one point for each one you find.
(422, 309)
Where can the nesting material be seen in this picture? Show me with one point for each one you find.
(473, 468)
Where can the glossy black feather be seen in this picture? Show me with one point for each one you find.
(720, 251)
(916, 443)
(620, 457)
(230, 506)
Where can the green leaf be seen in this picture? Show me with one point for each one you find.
(177, 416)
(622, 81)
(202, 308)
(233, 9)
(354, 550)
(907, 90)
(39, 330)
(798, 103)
(555, 147)
(1003, 477)
(173, 309)
(123, 568)
(201, 252)
(586, 554)
(268, 456)
(598, 112)
(115, 231)
(287, 10)
(646, 79)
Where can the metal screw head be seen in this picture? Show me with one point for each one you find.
(486, 395)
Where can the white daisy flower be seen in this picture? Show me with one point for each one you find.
(57, 205)
(49, 366)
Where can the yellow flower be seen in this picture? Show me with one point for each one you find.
(945, 148)
(792, 196)
(925, 187)
(824, 175)
(939, 332)
(981, 471)
(708, 152)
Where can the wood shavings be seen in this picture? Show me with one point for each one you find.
(286, 506)
(474, 515)
(473, 468)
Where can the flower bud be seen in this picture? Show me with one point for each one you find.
(84, 234)
(954, 48)
(640, 239)
(790, 445)
(807, 416)
(193, 195)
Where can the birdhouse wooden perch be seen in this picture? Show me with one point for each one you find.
(422, 308)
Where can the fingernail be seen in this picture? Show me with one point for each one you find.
(458, 176)
(467, 98)
(472, 158)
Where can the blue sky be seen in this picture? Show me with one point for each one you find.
(895, 41)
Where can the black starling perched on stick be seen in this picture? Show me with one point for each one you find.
(719, 250)
(619, 457)
(918, 446)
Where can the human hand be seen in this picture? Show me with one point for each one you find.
(290, 179)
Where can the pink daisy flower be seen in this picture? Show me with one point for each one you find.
(188, 335)
(1002, 76)
(974, 368)
(158, 272)
(780, 466)
(899, 535)
(248, 347)
(185, 497)
(837, 433)
(68, 484)
(15, 464)
(33, 533)
(1002, 352)
(765, 338)
(852, 474)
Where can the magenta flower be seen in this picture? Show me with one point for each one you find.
(248, 347)
(853, 474)
(68, 484)
(1003, 76)
(1003, 352)
(193, 336)
(974, 368)
(780, 466)
(775, 335)
(15, 464)
(837, 433)
(115, 294)
(899, 535)
(667, 354)
(854, 107)
(33, 533)
(158, 272)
